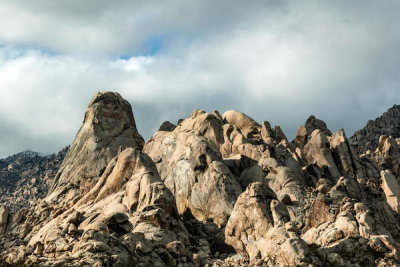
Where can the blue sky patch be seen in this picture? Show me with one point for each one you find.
(153, 45)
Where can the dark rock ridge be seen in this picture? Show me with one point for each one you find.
(368, 137)
(215, 190)
(26, 177)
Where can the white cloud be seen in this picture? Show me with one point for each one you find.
(337, 60)
(118, 27)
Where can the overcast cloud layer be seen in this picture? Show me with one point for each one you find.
(274, 60)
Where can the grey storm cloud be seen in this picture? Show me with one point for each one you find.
(279, 61)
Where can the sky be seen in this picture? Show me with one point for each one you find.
(279, 61)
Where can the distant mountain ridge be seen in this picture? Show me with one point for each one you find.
(25, 153)
(26, 176)
(367, 138)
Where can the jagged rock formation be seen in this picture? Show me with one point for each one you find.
(220, 190)
(27, 176)
(368, 137)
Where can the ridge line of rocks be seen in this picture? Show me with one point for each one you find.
(217, 190)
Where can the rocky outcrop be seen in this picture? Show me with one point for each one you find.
(108, 125)
(260, 227)
(212, 191)
(368, 137)
(247, 125)
(206, 124)
(348, 163)
(128, 213)
(192, 168)
(312, 124)
(317, 152)
(167, 126)
(387, 155)
(121, 215)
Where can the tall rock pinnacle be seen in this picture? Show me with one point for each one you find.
(108, 124)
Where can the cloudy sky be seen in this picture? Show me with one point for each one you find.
(274, 60)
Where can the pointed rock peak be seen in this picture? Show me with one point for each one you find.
(196, 113)
(217, 114)
(206, 124)
(108, 114)
(267, 134)
(313, 123)
(266, 125)
(247, 125)
(341, 132)
(108, 125)
(167, 126)
(280, 135)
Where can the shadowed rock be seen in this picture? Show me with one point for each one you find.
(167, 126)
(313, 124)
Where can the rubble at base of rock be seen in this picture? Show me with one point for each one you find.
(215, 190)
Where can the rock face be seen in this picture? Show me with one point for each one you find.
(215, 190)
(391, 189)
(27, 176)
(368, 137)
(3, 219)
